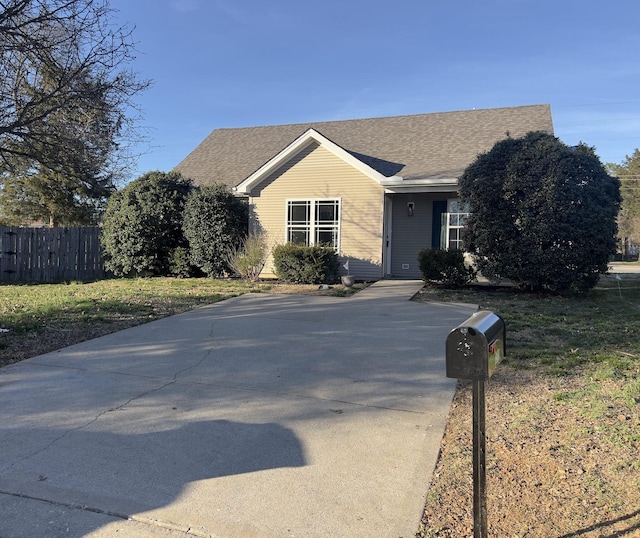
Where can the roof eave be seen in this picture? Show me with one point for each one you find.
(399, 185)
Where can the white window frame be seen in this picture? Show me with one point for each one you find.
(456, 219)
(312, 226)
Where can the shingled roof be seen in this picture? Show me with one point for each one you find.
(421, 146)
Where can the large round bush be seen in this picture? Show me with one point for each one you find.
(142, 225)
(542, 214)
(215, 224)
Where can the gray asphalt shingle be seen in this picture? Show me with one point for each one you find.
(419, 146)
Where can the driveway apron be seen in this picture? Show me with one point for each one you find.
(260, 416)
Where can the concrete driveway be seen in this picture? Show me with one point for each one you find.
(260, 416)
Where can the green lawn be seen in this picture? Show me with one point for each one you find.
(42, 317)
(600, 327)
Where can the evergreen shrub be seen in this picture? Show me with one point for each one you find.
(301, 264)
(445, 267)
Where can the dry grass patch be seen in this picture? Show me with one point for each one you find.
(563, 421)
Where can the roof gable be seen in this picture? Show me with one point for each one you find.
(293, 149)
(417, 147)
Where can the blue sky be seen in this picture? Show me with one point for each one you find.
(240, 63)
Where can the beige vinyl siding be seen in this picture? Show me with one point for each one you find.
(410, 234)
(316, 173)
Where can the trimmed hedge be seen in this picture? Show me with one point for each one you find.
(301, 264)
(445, 267)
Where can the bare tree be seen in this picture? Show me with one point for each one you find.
(66, 95)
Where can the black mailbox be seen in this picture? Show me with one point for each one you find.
(475, 347)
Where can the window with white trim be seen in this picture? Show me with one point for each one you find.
(314, 221)
(456, 220)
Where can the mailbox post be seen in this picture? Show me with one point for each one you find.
(473, 350)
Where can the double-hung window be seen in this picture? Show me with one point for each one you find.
(456, 220)
(310, 222)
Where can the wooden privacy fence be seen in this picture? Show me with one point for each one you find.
(50, 254)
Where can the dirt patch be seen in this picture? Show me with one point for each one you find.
(562, 424)
(552, 468)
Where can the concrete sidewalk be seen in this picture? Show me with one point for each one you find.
(260, 416)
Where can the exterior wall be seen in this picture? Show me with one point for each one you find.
(317, 173)
(409, 234)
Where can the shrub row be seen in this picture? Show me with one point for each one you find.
(161, 224)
